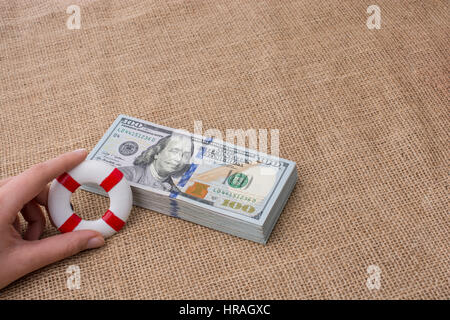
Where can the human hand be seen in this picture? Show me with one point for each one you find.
(24, 193)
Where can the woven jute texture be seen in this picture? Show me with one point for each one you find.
(364, 114)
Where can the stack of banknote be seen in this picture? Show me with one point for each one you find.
(213, 183)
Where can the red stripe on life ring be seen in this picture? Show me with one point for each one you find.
(113, 221)
(110, 181)
(70, 223)
(67, 181)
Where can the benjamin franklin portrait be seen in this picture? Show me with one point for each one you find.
(159, 164)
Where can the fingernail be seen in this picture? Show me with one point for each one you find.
(95, 242)
(82, 150)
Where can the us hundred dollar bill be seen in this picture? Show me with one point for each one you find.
(214, 175)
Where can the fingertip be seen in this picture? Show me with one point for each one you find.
(91, 235)
(81, 152)
(90, 238)
(95, 242)
(72, 158)
(88, 233)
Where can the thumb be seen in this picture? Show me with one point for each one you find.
(33, 255)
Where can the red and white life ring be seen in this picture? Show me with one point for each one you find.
(110, 179)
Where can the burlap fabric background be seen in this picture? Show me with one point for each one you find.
(364, 113)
